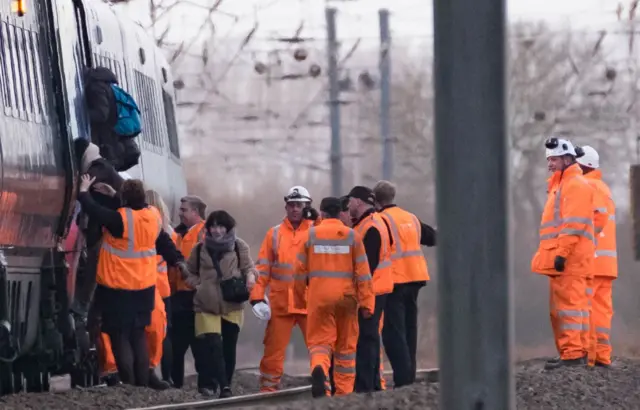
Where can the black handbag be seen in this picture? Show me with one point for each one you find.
(234, 290)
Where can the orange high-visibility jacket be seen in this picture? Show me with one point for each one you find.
(276, 265)
(407, 259)
(383, 274)
(185, 244)
(567, 227)
(606, 261)
(129, 263)
(334, 264)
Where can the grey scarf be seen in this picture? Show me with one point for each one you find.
(217, 246)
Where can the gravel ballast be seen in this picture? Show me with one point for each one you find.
(566, 388)
(536, 389)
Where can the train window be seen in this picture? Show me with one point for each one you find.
(172, 125)
(148, 100)
(27, 70)
(37, 68)
(98, 35)
(164, 75)
(143, 58)
(15, 67)
(4, 69)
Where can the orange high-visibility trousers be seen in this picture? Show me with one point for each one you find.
(602, 309)
(156, 332)
(335, 329)
(569, 312)
(383, 382)
(276, 340)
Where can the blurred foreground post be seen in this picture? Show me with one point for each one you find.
(474, 281)
(334, 104)
(385, 100)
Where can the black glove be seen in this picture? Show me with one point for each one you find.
(558, 263)
(310, 213)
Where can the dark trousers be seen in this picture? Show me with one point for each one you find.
(400, 332)
(368, 349)
(182, 337)
(216, 357)
(129, 346)
(86, 284)
(167, 346)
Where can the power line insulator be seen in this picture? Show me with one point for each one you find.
(300, 54)
(260, 68)
(315, 70)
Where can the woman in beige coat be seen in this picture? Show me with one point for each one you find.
(222, 272)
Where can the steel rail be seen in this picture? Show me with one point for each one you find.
(269, 399)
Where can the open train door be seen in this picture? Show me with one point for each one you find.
(634, 186)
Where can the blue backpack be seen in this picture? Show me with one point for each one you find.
(128, 124)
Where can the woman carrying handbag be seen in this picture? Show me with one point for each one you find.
(222, 272)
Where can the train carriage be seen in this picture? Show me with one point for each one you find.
(44, 49)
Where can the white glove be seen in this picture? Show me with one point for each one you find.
(262, 311)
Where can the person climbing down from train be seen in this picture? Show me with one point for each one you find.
(90, 162)
(189, 232)
(275, 265)
(164, 352)
(566, 252)
(222, 272)
(127, 274)
(606, 260)
(375, 237)
(114, 117)
(410, 274)
(332, 269)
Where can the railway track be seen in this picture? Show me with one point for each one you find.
(267, 399)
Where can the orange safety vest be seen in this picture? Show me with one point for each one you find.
(383, 275)
(129, 263)
(185, 244)
(334, 263)
(566, 228)
(407, 259)
(276, 265)
(606, 261)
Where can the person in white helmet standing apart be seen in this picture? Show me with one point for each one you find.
(606, 261)
(276, 265)
(566, 253)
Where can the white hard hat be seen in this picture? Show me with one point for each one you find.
(124, 175)
(298, 193)
(557, 147)
(590, 158)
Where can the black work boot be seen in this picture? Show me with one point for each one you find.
(111, 379)
(552, 365)
(206, 392)
(318, 379)
(225, 392)
(155, 383)
(603, 365)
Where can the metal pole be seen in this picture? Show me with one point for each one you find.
(334, 104)
(474, 281)
(385, 103)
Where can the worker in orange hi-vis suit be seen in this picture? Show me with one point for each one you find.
(566, 253)
(275, 265)
(606, 261)
(332, 267)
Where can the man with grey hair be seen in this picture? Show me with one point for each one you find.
(410, 273)
(181, 327)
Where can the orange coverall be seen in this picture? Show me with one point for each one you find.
(606, 269)
(275, 265)
(334, 264)
(567, 230)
